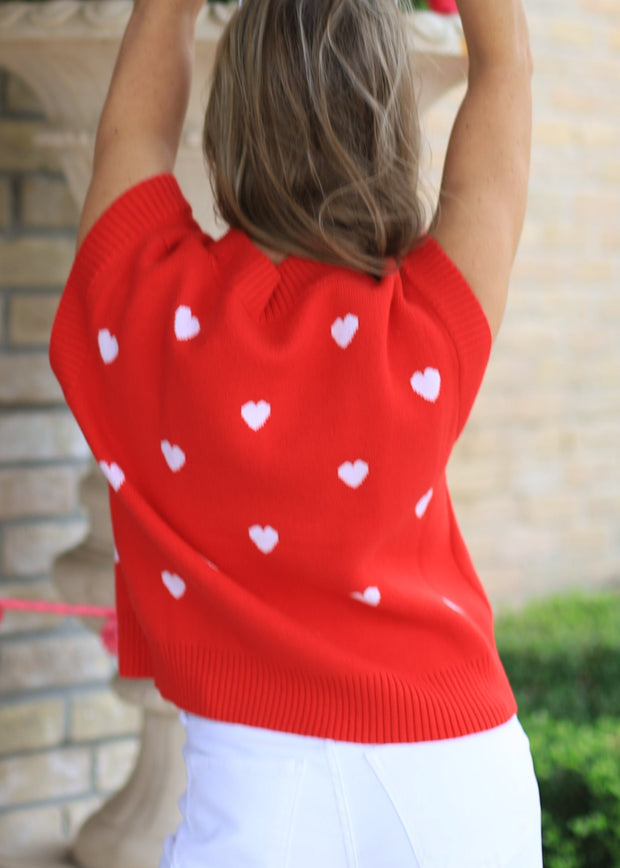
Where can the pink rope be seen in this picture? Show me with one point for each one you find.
(108, 633)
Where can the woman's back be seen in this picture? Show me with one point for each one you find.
(275, 431)
(282, 510)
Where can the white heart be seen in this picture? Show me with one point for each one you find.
(264, 538)
(371, 596)
(186, 326)
(453, 606)
(353, 474)
(113, 474)
(343, 330)
(174, 455)
(427, 384)
(174, 583)
(255, 415)
(108, 346)
(423, 502)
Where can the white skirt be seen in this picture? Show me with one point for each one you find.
(262, 799)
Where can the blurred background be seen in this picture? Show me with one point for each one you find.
(535, 478)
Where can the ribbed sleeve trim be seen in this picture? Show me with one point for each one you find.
(152, 203)
(439, 280)
(144, 206)
(368, 708)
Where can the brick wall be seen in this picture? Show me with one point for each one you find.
(65, 738)
(535, 478)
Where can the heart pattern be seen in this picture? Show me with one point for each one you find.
(108, 346)
(370, 596)
(174, 455)
(186, 326)
(113, 474)
(343, 330)
(453, 606)
(264, 538)
(255, 415)
(423, 502)
(427, 384)
(353, 474)
(174, 583)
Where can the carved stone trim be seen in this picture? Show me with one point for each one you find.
(76, 19)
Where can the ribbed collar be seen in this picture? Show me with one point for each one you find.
(268, 290)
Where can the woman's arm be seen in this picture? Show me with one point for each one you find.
(484, 187)
(140, 127)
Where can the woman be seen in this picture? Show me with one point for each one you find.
(274, 412)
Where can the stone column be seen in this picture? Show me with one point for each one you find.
(65, 51)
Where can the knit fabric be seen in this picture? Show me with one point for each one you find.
(275, 440)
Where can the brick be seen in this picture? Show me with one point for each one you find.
(26, 378)
(41, 491)
(31, 548)
(552, 133)
(47, 202)
(613, 35)
(477, 480)
(6, 200)
(36, 261)
(40, 436)
(601, 7)
(18, 151)
(20, 98)
(24, 830)
(63, 772)
(31, 316)
(114, 763)
(31, 725)
(21, 622)
(54, 661)
(101, 715)
(573, 35)
(586, 102)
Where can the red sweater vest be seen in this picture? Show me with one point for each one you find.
(276, 439)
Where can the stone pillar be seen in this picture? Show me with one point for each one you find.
(65, 51)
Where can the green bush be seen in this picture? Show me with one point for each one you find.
(563, 659)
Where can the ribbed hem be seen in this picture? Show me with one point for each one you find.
(376, 708)
(134, 653)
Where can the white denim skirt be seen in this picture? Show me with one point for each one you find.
(257, 798)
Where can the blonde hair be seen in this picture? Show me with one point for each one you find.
(311, 132)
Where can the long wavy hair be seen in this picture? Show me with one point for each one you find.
(311, 132)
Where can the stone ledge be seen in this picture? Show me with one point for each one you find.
(75, 19)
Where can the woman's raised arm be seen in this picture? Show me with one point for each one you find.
(484, 188)
(140, 127)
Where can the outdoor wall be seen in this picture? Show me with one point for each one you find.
(535, 478)
(65, 737)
